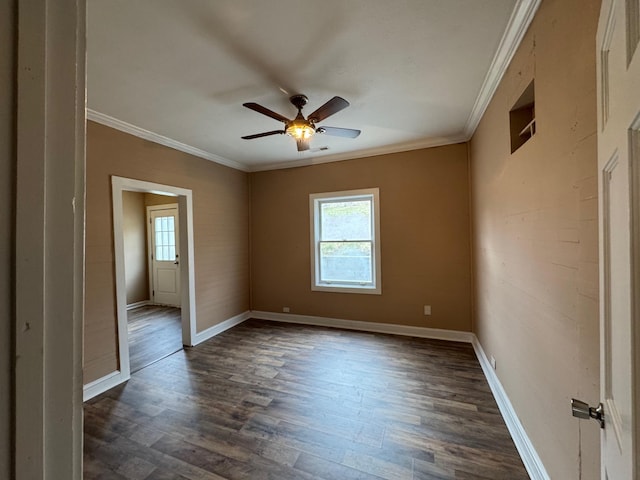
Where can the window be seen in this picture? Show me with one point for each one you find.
(345, 241)
(165, 239)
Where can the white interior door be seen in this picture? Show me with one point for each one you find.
(164, 254)
(619, 190)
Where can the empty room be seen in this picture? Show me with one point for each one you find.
(321, 240)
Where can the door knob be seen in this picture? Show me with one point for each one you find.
(581, 409)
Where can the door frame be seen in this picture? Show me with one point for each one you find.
(187, 271)
(150, 244)
(49, 213)
(634, 214)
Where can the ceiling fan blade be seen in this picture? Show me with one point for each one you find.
(339, 132)
(264, 134)
(302, 145)
(265, 111)
(332, 106)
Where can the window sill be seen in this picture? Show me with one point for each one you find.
(347, 289)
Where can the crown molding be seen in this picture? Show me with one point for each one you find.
(370, 152)
(161, 139)
(521, 18)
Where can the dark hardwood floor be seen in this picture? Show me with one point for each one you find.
(155, 332)
(269, 400)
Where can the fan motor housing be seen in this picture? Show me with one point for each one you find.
(299, 101)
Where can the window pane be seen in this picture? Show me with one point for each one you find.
(165, 238)
(345, 220)
(345, 262)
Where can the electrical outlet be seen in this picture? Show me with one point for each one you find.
(286, 309)
(427, 309)
(493, 362)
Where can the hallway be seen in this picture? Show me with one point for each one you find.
(155, 332)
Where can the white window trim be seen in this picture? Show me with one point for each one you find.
(314, 200)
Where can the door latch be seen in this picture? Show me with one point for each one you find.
(581, 409)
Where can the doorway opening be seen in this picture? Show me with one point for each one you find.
(152, 276)
(155, 295)
(154, 333)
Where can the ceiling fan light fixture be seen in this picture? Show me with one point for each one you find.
(300, 131)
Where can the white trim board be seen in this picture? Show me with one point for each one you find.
(185, 202)
(528, 454)
(48, 188)
(421, 332)
(114, 379)
(142, 303)
(220, 327)
(521, 17)
(103, 384)
(431, 142)
(160, 139)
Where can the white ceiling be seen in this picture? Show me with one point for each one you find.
(417, 73)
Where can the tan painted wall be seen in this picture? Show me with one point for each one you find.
(134, 216)
(221, 223)
(7, 196)
(424, 238)
(535, 238)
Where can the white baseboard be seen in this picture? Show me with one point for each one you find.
(220, 327)
(422, 332)
(103, 384)
(528, 454)
(525, 448)
(114, 379)
(142, 303)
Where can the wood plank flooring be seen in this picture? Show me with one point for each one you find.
(155, 332)
(268, 400)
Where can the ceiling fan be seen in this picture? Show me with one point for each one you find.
(302, 129)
